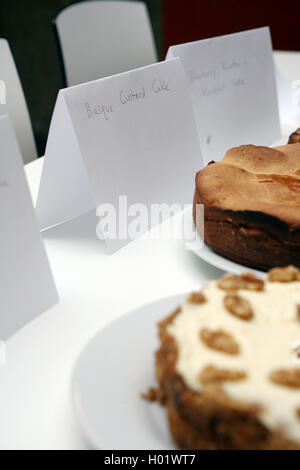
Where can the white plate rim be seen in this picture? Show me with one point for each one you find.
(93, 438)
(203, 251)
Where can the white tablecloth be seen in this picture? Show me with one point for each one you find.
(94, 289)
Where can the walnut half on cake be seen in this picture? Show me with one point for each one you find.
(252, 205)
(228, 365)
(295, 137)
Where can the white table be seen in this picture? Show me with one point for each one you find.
(94, 289)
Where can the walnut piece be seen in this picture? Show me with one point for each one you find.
(294, 137)
(213, 374)
(246, 281)
(250, 282)
(296, 352)
(287, 274)
(196, 298)
(219, 340)
(287, 377)
(154, 395)
(238, 306)
(229, 282)
(298, 412)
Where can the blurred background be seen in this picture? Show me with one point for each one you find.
(28, 27)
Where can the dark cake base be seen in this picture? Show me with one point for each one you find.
(255, 240)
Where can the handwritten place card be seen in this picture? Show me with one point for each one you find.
(132, 134)
(233, 90)
(26, 284)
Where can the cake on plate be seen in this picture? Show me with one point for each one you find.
(252, 205)
(228, 365)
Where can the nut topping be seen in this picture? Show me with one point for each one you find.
(154, 395)
(196, 298)
(250, 282)
(229, 282)
(294, 137)
(238, 306)
(287, 274)
(220, 341)
(213, 374)
(287, 377)
(246, 281)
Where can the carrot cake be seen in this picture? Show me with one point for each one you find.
(228, 365)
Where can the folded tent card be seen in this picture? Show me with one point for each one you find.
(26, 284)
(131, 134)
(233, 89)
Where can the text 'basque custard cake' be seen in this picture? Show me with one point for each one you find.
(228, 365)
(252, 205)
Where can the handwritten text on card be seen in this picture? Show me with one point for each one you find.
(228, 74)
(99, 110)
(127, 96)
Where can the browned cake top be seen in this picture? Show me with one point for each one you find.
(259, 179)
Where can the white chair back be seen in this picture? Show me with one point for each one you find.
(103, 38)
(12, 102)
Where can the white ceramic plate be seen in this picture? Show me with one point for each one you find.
(207, 254)
(202, 250)
(111, 372)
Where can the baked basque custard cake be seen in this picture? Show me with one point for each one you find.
(252, 205)
(228, 365)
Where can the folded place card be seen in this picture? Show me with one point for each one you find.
(132, 134)
(233, 90)
(26, 284)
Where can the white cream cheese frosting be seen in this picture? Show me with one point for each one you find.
(266, 344)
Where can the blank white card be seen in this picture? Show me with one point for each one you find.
(26, 284)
